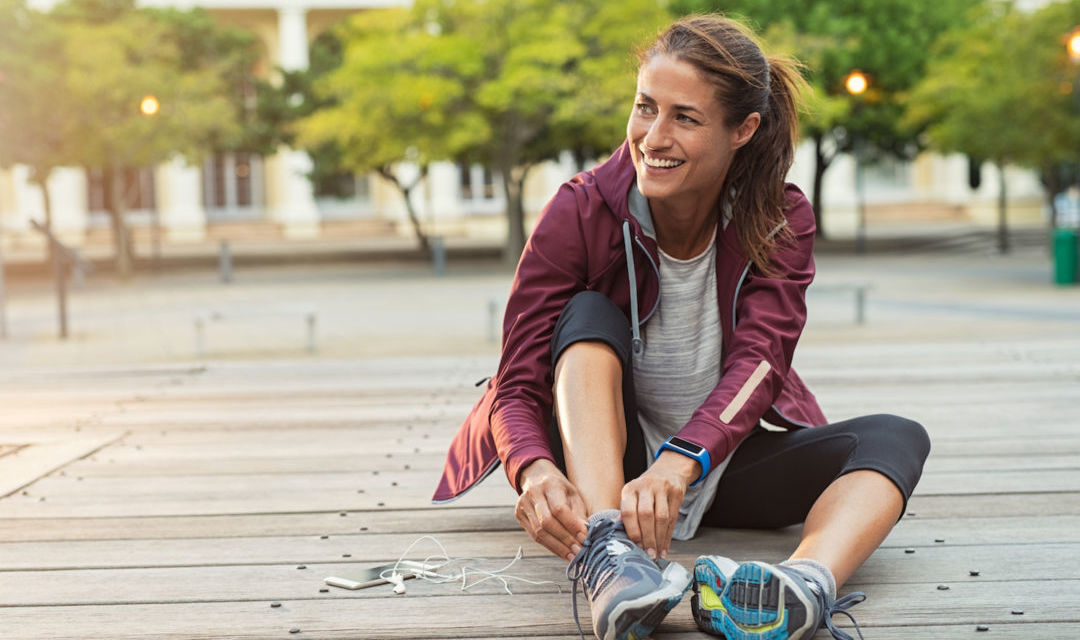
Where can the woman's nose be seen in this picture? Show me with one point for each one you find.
(657, 136)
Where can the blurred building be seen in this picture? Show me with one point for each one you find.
(270, 197)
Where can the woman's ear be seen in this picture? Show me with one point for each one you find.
(746, 130)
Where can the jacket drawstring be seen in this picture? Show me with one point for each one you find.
(637, 345)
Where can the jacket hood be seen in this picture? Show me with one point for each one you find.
(613, 179)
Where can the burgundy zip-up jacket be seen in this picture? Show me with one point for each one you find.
(581, 242)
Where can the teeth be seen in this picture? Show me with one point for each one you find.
(659, 163)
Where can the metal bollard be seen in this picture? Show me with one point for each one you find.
(78, 270)
(225, 262)
(493, 320)
(438, 255)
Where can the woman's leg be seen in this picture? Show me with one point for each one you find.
(594, 408)
(589, 412)
(849, 522)
(594, 433)
(849, 482)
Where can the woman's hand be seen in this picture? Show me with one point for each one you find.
(550, 509)
(650, 502)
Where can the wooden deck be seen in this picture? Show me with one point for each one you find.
(182, 501)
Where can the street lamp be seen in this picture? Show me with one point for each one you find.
(856, 84)
(149, 106)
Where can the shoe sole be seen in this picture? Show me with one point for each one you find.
(757, 603)
(709, 582)
(636, 619)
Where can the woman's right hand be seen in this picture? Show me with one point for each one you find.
(550, 509)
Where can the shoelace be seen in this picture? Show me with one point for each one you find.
(592, 564)
(841, 606)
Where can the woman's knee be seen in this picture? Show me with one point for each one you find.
(910, 434)
(591, 318)
(591, 357)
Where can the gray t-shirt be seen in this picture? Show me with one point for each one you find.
(680, 365)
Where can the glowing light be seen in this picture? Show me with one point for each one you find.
(856, 83)
(149, 106)
(1074, 45)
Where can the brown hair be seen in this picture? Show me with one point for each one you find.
(728, 55)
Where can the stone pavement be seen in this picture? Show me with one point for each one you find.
(367, 309)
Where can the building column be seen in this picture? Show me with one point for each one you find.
(70, 206)
(179, 197)
(292, 201)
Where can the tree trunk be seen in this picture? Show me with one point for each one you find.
(1003, 228)
(406, 191)
(513, 189)
(40, 179)
(821, 164)
(122, 250)
(1051, 187)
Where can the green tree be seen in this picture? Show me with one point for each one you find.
(1003, 90)
(889, 40)
(37, 115)
(507, 83)
(116, 56)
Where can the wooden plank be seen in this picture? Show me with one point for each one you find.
(1032, 481)
(368, 546)
(966, 506)
(496, 615)
(938, 565)
(109, 496)
(46, 453)
(969, 510)
(125, 461)
(484, 519)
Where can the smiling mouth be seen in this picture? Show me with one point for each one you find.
(659, 163)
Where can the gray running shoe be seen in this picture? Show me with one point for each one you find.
(759, 601)
(628, 593)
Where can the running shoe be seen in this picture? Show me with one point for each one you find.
(759, 601)
(629, 594)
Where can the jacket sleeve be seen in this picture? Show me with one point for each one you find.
(551, 270)
(770, 315)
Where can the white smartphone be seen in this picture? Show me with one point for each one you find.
(373, 576)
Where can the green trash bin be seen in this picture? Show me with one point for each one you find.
(1065, 256)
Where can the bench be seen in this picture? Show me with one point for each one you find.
(858, 289)
(209, 316)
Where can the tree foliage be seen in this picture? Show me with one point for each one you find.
(889, 40)
(506, 83)
(73, 81)
(1003, 89)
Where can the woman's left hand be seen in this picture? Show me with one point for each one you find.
(650, 502)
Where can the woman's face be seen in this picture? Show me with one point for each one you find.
(678, 140)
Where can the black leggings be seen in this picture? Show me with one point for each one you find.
(775, 476)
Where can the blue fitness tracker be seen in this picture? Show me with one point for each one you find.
(690, 450)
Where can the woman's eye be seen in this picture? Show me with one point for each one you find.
(682, 117)
(643, 107)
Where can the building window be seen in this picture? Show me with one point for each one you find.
(477, 182)
(232, 185)
(137, 185)
(466, 182)
(344, 186)
(343, 195)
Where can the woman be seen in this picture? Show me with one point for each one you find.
(650, 329)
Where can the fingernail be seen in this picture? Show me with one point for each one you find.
(581, 538)
(652, 553)
(569, 557)
(576, 548)
(663, 554)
